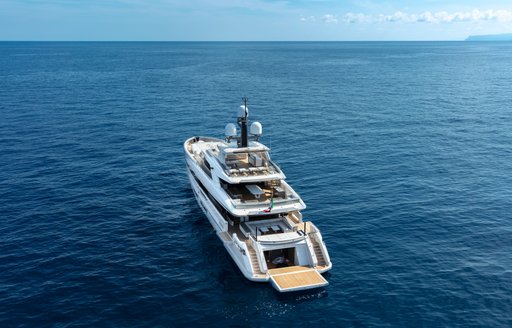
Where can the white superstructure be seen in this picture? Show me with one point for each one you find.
(255, 213)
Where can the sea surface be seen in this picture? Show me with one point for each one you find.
(402, 152)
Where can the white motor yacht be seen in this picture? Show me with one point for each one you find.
(254, 212)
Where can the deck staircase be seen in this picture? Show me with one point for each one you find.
(318, 252)
(254, 261)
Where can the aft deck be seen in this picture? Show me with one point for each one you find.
(276, 229)
(264, 227)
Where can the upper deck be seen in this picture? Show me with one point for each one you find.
(247, 161)
(235, 165)
(247, 176)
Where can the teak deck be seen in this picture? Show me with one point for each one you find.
(296, 278)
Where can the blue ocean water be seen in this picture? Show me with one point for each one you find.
(402, 152)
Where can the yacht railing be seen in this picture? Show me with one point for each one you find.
(241, 246)
(276, 167)
(256, 204)
(314, 260)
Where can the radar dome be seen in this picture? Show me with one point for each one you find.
(230, 130)
(242, 111)
(256, 129)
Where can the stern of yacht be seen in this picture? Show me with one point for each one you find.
(286, 251)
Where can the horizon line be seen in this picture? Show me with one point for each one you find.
(191, 41)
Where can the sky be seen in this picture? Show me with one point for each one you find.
(251, 20)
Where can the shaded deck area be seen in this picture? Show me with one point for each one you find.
(256, 192)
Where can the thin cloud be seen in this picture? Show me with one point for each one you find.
(446, 17)
(307, 19)
(357, 18)
(330, 19)
(428, 17)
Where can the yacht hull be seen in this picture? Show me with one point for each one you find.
(251, 252)
(216, 219)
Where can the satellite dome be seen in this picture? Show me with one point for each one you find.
(242, 111)
(256, 129)
(230, 130)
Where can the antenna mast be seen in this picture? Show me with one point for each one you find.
(242, 121)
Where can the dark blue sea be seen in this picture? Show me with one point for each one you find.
(401, 151)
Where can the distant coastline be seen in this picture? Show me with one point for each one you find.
(490, 37)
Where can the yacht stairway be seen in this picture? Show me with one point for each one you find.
(254, 261)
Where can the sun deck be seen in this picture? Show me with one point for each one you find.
(248, 161)
(237, 164)
(246, 166)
